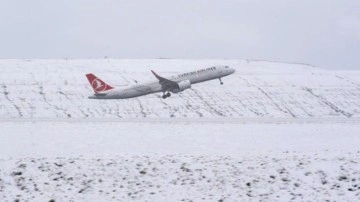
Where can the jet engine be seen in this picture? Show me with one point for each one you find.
(183, 85)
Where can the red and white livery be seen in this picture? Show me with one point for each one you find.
(174, 84)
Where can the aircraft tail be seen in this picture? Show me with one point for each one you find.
(97, 84)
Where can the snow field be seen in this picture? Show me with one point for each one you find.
(184, 161)
(291, 177)
(274, 132)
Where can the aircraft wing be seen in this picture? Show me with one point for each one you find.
(166, 84)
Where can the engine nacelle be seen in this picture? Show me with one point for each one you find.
(183, 85)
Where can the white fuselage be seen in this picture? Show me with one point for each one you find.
(154, 87)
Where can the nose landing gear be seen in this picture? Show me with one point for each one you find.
(221, 81)
(166, 95)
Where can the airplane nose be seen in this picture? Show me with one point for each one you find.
(232, 70)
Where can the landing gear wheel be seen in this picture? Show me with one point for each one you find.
(166, 95)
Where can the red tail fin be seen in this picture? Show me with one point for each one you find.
(97, 84)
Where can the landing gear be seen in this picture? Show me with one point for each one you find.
(166, 95)
(221, 81)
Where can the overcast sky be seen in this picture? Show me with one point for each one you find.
(325, 33)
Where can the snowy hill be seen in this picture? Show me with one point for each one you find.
(258, 89)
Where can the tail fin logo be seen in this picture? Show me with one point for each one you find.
(98, 85)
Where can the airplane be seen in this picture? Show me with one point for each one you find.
(174, 84)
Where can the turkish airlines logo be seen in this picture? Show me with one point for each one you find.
(98, 85)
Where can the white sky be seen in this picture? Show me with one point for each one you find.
(325, 33)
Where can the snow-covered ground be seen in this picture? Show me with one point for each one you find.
(179, 161)
(97, 139)
(273, 132)
(291, 177)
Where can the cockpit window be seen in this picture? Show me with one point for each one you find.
(226, 67)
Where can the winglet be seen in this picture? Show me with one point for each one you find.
(166, 84)
(157, 76)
